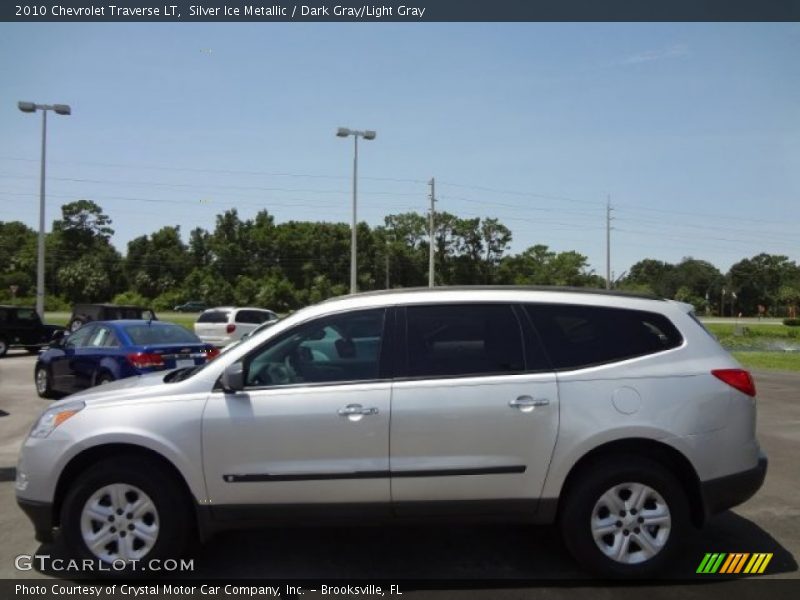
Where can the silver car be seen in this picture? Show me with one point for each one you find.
(617, 417)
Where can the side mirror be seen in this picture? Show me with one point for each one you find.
(232, 378)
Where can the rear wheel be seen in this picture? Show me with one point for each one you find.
(126, 509)
(624, 517)
(103, 378)
(3, 347)
(44, 382)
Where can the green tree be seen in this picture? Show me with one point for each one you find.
(757, 280)
(155, 264)
(83, 265)
(538, 265)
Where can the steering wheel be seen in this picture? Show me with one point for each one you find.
(273, 374)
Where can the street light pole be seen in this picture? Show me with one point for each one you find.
(60, 109)
(353, 235)
(40, 252)
(367, 135)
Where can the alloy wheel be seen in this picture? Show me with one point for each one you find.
(119, 522)
(631, 523)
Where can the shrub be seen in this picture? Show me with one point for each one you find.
(130, 298)
(791, 322)
(168, 300)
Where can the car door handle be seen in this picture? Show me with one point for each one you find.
(356, 410)
(528, 403)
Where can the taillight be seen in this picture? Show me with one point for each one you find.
(737, 378)
(211, 354)
(230, 328)
(143, 360)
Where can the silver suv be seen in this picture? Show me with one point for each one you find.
(619, 418)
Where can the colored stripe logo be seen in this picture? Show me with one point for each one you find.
(734, 563)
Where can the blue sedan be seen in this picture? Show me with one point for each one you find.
(103, 351)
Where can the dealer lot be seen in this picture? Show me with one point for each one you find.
(770, 522)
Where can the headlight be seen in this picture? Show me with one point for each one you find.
(53, 417)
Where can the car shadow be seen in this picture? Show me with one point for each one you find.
(497, 555)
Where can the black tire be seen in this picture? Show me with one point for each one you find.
(172, 513)
(584, 496)
(3, 347)
(44, 387)
(103, 377)
(33, 349)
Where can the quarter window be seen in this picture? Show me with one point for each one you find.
(463, 339)
(580, 336)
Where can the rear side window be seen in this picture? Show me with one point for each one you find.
(581, 336)
(463, 339)
(255, 317)
(27, 314)
(213, 316)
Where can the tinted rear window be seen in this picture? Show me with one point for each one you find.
(27, 314)
(580, 336)
(448, 340)
(213, 316)
(252, 316)
(143, 335)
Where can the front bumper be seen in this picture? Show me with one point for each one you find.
(729, 491)
(41, 515)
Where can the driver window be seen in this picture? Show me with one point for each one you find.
(79, 338)
(338, 348)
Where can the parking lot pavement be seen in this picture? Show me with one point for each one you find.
(19, 404)
(769, 522)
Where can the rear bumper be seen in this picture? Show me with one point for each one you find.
(41, 515)
(729, 491)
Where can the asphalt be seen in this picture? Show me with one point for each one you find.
(505, 554)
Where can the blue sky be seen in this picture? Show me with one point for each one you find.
(692, 129)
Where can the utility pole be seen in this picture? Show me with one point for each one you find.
(608, 242)
(386, 251)
(432, 183)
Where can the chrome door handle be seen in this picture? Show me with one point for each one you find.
(356, 410)
(528, 403)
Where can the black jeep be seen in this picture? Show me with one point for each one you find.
(22, 327)
(83, 313)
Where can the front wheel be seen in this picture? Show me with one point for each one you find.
(3, 347)
(126, 509)
(44, 382)
(625, 517)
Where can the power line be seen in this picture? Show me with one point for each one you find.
(218, 171)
